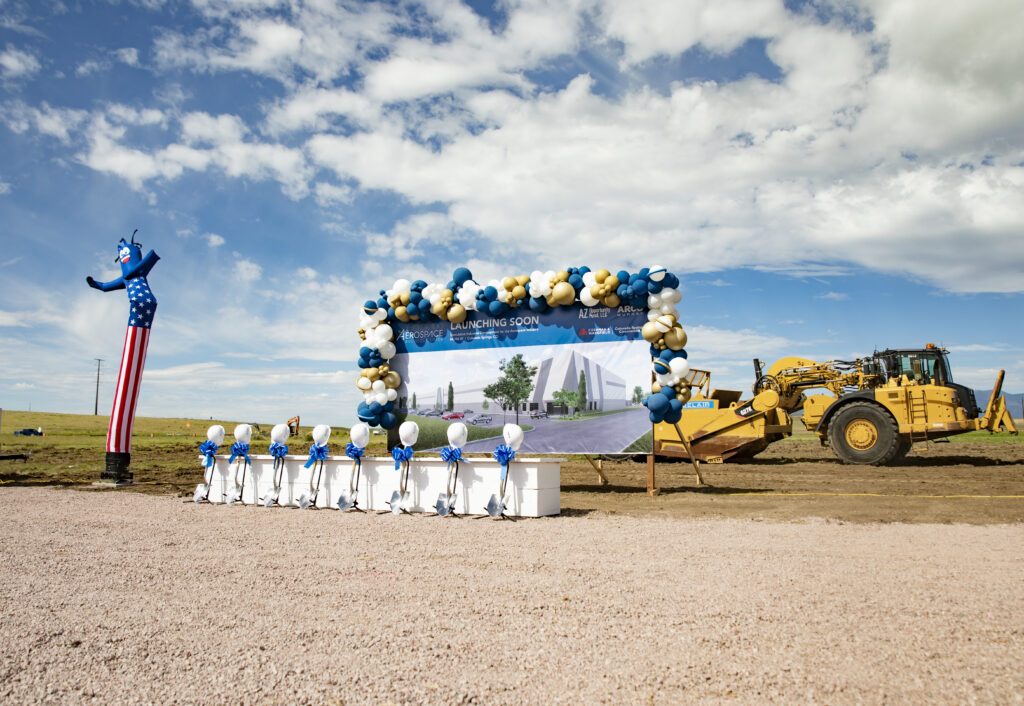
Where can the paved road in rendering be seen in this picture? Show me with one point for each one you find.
(610, 433)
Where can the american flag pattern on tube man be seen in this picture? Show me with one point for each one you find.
(134, 269)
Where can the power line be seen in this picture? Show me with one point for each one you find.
(96, 407)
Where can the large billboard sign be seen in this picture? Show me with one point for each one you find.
(594, 357)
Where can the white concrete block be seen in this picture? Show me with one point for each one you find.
(532, 490)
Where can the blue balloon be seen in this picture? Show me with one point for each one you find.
(576, 281)
(657, 403)
(461, 276)
(622, 276)
(497, 308)
(668, 393)
(639, 287)
(539, 304)
(374, 408)
(661, 367)
(388, 420)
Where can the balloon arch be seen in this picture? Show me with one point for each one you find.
(463, 298)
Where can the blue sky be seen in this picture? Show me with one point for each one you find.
(827, 178)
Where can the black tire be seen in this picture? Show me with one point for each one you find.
(864, 433)
(904, 448)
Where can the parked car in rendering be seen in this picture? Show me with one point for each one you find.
(449, 416)
(431, 413)
(538, 414)
(480, 420)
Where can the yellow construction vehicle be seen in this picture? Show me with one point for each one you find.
(870, 410)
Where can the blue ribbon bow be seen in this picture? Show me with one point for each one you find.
(400, 454)
(239, 449)
(208, 449)
(317, 452)
(278, 450)
(354, 452)
(504, 455)
(450, 454)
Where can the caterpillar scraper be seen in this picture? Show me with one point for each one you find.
(869, 411)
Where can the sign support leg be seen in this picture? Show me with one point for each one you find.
(689, 450)
(597, 467)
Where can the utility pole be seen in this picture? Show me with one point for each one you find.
(96, 408)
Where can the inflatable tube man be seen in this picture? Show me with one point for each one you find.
(134, 268)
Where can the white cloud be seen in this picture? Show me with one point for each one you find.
(128, 55)
(17, 64)
(834, 296)
(213, 240)
(5, 188)
(247, 271)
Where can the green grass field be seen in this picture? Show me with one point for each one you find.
(164, 451)
(434, 431)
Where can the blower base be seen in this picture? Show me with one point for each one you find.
(117, 471)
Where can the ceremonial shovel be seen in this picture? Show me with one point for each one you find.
(214, 438)
(360, 437)
(401, 499)
(317, 455)
(278, 435)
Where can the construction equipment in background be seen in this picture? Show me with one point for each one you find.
(870, 410)
(293, 426)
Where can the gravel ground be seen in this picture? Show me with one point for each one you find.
(120, 597)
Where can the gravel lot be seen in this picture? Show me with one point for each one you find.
(122, 597)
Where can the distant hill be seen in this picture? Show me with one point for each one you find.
(1013, 401)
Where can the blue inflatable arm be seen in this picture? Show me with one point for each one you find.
(111, 286)
(143, 267)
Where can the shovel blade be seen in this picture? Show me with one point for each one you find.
(396, 502)
(346, 502)
(270, 500)
(495, 507)
(442, 506)
(304, 501)
(234, 496)
(200, 494)
(406, 500)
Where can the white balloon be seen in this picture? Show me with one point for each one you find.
(458, 434)
(668, 309)
(392, 395)
(654, 301)
(360, 434)
(664, 379)
(671, 295)
(280, 433)
(383, 333)
(364, 383)
(589, 279)
(380, 398)
(467, 295)
(653, 315)
(321, 433)
(513, 434)
(409, 432)
(586, 298)
(387, 350)
(378, 386)
(216, 434)
(656, 273)
(243, 433)
(679, 366)
(401, 286)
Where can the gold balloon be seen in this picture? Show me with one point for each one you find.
(508, 283)
(372, 373)
(457, 313)
(438, 308)
(612, 300)
(519, 291)
(655, 388)
(401, 313)
(362, 334)
(650, 332)
(676, 338)
(612, 282)
(563, 293)
(601, 275)
(404, 298)
(523, 280)
(562, 276)
(684, 395)
(393, 380)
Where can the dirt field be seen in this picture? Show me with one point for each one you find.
(974, 480)
(129, 598)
